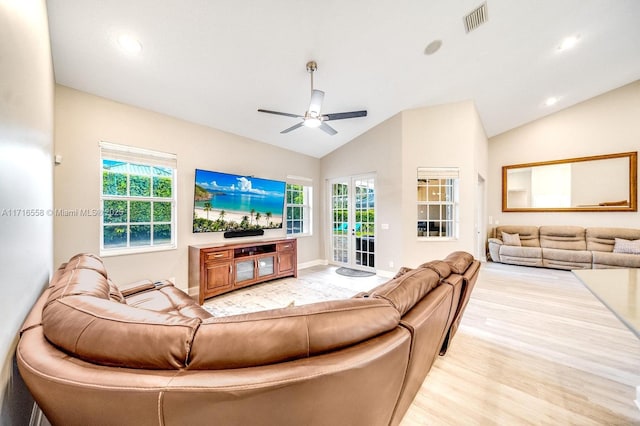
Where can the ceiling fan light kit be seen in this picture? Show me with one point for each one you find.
(312, 118)
(312, 122)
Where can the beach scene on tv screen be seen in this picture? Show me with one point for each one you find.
(228, 202)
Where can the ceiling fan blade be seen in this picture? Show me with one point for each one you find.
(328, 129)
(343, 115)
(286, 114)
(316, 102)
(295, 126)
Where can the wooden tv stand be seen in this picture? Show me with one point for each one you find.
(219, 268)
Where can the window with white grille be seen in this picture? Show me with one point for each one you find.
(437, 202)
(138, 198)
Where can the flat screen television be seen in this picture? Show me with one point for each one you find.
(227, 202)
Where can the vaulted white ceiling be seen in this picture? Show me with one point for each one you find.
(215, 62)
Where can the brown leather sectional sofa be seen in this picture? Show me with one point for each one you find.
(93, 353)
(564, 247)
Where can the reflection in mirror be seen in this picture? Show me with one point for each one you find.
(600, 183)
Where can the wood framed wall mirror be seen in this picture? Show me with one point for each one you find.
(602, 183)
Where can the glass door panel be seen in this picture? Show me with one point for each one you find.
(245, 270)
(266, 266)
(364, 212)
(353, 221)
(340, 222)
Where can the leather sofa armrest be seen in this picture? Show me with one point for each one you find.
(496, 241)
(136, 287)
(163, 283)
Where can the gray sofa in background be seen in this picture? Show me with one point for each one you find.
(563, 247)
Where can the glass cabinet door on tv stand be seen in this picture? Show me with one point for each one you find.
(259, 267)
(266, 266)
(245, 271)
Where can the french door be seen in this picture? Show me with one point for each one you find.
(353, 224)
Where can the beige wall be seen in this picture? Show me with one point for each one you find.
(443, 136)
(606, 124)
(26, 141)
(83, 120)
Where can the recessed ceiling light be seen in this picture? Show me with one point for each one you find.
(551, 101)
(129, 44)
(568, 43)
(433, 47)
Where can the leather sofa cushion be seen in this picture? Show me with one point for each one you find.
(403, 270)
(358, 385)
(603, 239)
(459, 261)
(87, 261)
(83, 274)
(407, 290)
(86, 315)
(105, 332)
(74, 282)
(278, 335)
(169, 300)
(563, 237)
(439, 267)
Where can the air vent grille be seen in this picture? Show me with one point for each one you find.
(477, 17)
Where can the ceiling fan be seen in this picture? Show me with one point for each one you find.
(312, 117)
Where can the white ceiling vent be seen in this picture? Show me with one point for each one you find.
(475, 18)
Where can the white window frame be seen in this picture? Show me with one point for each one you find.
(451, 176)
(133, 155)
(306, 207)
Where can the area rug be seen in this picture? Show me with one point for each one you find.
(314, 284)
(348, 272)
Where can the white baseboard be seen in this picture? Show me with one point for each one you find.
(313, 263)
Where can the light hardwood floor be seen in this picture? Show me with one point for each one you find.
(535, 347)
